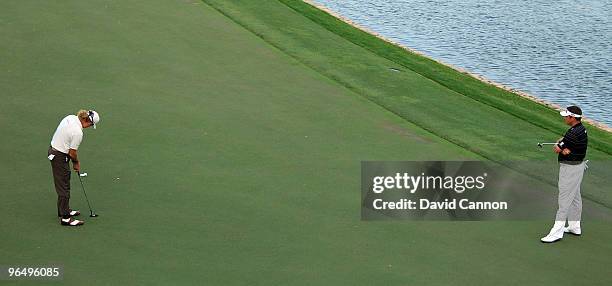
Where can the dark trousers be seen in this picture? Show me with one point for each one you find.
(61, 179)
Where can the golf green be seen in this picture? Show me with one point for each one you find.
(229, 151)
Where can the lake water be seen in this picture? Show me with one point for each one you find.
(559, 51)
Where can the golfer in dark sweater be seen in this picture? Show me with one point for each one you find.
(572, 149)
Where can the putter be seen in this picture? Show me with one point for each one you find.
(91, 212)
(547, 143)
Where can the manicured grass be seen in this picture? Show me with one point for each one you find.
(222, 160)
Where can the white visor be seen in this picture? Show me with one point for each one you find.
(94, 118)
(569, 113)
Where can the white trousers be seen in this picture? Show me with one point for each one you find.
(570, 201)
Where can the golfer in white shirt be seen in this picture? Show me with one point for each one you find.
(64, 146)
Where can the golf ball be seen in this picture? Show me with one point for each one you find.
(84, 175)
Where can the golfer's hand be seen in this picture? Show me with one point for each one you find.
(566, 151)
(76, 166)
(556, 149)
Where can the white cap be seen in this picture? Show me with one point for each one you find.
(569, 113)
(94, 117)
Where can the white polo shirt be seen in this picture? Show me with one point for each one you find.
(68, 135)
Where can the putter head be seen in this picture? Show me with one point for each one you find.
(540, 145)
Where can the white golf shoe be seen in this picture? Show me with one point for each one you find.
(573, 228)
(555, 234)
